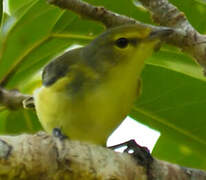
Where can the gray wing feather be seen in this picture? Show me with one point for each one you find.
(60, 66)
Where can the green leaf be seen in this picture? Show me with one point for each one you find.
(174, 104)
(3, 120)
(34, 39)
(14, 122)
(1, 10)
(182, 153)
(177, 61)
(14, 6)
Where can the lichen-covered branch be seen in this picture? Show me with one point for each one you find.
(167, 14)
(43, 157)
(164, 13)
(12, 99)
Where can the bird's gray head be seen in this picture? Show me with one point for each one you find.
(118, 44)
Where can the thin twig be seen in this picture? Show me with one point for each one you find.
(12, 99)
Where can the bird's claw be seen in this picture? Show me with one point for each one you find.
(140, 153)
(58, 134)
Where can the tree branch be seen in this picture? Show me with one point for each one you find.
(186, 37)
(42, 156)
(167, 14)
(12, 99)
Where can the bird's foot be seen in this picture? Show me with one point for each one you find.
(140, 153)
(28, 103)
(58, 134)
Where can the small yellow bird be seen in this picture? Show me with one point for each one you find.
(88, 91)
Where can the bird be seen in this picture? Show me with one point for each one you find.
(88, 91)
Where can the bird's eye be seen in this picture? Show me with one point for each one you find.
(122, 42)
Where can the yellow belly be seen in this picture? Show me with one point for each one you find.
(91, 119)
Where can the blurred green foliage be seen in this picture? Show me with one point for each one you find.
(173, 99)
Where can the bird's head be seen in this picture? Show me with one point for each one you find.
(119, 44)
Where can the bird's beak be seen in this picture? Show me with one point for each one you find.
(160, 33)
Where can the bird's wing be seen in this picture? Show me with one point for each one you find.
(60, 66)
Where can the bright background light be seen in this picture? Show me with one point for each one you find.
(5, 6)
(131, 129)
